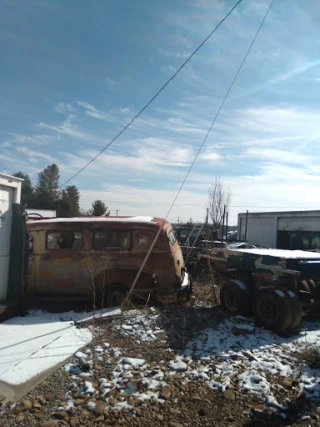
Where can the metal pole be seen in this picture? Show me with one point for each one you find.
(227, 219)
(207, 226)
(245, 233)
(224, 213)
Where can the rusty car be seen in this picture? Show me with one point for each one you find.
(74, 258)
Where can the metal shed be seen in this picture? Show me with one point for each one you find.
(10, 195)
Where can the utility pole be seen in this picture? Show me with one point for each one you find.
(117, 211)
(223, 219)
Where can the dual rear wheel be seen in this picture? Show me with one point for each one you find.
(273, 308)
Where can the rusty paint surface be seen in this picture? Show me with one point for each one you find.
(76, 271)
(266, 267)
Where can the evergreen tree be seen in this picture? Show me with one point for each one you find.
(98, 209)
(68, 205)
(27, 191)
(47, 191)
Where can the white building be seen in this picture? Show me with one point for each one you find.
(283, 230)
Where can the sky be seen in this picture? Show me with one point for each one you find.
(73, 74)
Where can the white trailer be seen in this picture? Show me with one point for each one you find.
(282, 230)
(10, 193)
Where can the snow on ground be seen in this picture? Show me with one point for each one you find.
(33, 344)
(234, 355)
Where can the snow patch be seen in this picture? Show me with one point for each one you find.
(38, 342)
(178, 366)
(132, 361)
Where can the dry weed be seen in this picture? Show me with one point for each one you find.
(206, 292)
(310, 356)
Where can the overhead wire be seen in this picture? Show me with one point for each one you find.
(221, 105)
(197, 154)
(154, 96)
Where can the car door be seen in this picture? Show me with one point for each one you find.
(59, 266)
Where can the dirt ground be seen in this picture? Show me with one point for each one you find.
(184, 403)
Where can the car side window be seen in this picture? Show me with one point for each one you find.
(64, 240)
(110, 239)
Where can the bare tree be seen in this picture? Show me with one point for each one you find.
(219, 199)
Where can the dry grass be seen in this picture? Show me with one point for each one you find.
(206, 292)
(310, 356)
(206, 283)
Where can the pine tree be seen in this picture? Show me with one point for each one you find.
(68, 205)
(27, 191)
(98, 209)
(47, 191)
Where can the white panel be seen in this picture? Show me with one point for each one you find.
(6, 200)
(262, 231)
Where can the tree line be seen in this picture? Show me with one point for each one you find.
(46, 194)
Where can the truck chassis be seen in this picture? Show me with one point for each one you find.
(277, 286)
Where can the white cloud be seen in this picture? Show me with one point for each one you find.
(134, 201)
(12, 163)
(66, 128)
(143, 157)
(208, 4)
(91, 111)
(269, 127)
(279, 156)
(169, 69)
(110, 82)
(124, 110)
(64, 108)
(35, 156)
(174, 54)
(5, 144)
(164, 126)
(210, 157)
(38, 139)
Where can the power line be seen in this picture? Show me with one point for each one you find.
(154, 96)
(194, 160)
(221, 106)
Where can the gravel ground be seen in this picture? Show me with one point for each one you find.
(72, 397)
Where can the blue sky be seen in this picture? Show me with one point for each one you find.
(73, 73)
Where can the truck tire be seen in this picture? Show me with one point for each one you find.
(273, 309)
(235, 297)
(296, 310)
